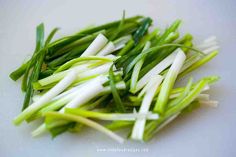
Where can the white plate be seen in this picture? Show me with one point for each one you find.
(206, 132)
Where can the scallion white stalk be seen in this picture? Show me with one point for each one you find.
(87, 92)
(210, 103)
(156, 70)
(203, 97)
(109, 48)
(119, 86)
(145, 89)
(206, 45)
(210, 39)
(139, 125)
(98, 70)
(210, 49)
(99, 42)
(120, 43)
(61, 86)
(58, 76)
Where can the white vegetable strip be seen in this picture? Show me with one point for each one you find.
(169, 81)
(36, 97)
(144, 90)
(210, 49)
(73, 92)
(60, 96)
(119, 86)
(98, 43)
(206, 45)
(120, 43)
(109, 48)
(62, 85)
(210, 39)
(98, 70)
(87, 92)
(40, 130)
(139, 124)
(58, 76)
(133, 116)
(210, 103)
(203, 97)
(156, 70)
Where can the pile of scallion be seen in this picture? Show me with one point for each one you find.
(113, 76)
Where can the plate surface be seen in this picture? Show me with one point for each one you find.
(206, 132)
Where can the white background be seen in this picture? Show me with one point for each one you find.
(206, 132)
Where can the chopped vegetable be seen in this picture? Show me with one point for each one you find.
(118, 72)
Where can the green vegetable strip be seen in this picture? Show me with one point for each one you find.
(121, 25)
(127, 29)
(142, 29)
(127, 47)
(33, 77)
(50, 36)
(199, 63)
(27, 82)
(126, 58)
(76, 60)
(182, 95)
(117, 125)
(118, 102)
(93, 105)
(15, 75)
(68, 56)
(169, 30)
(172, 37)
(39, 45)
(85, 113)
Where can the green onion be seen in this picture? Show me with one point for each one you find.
(108, 73)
